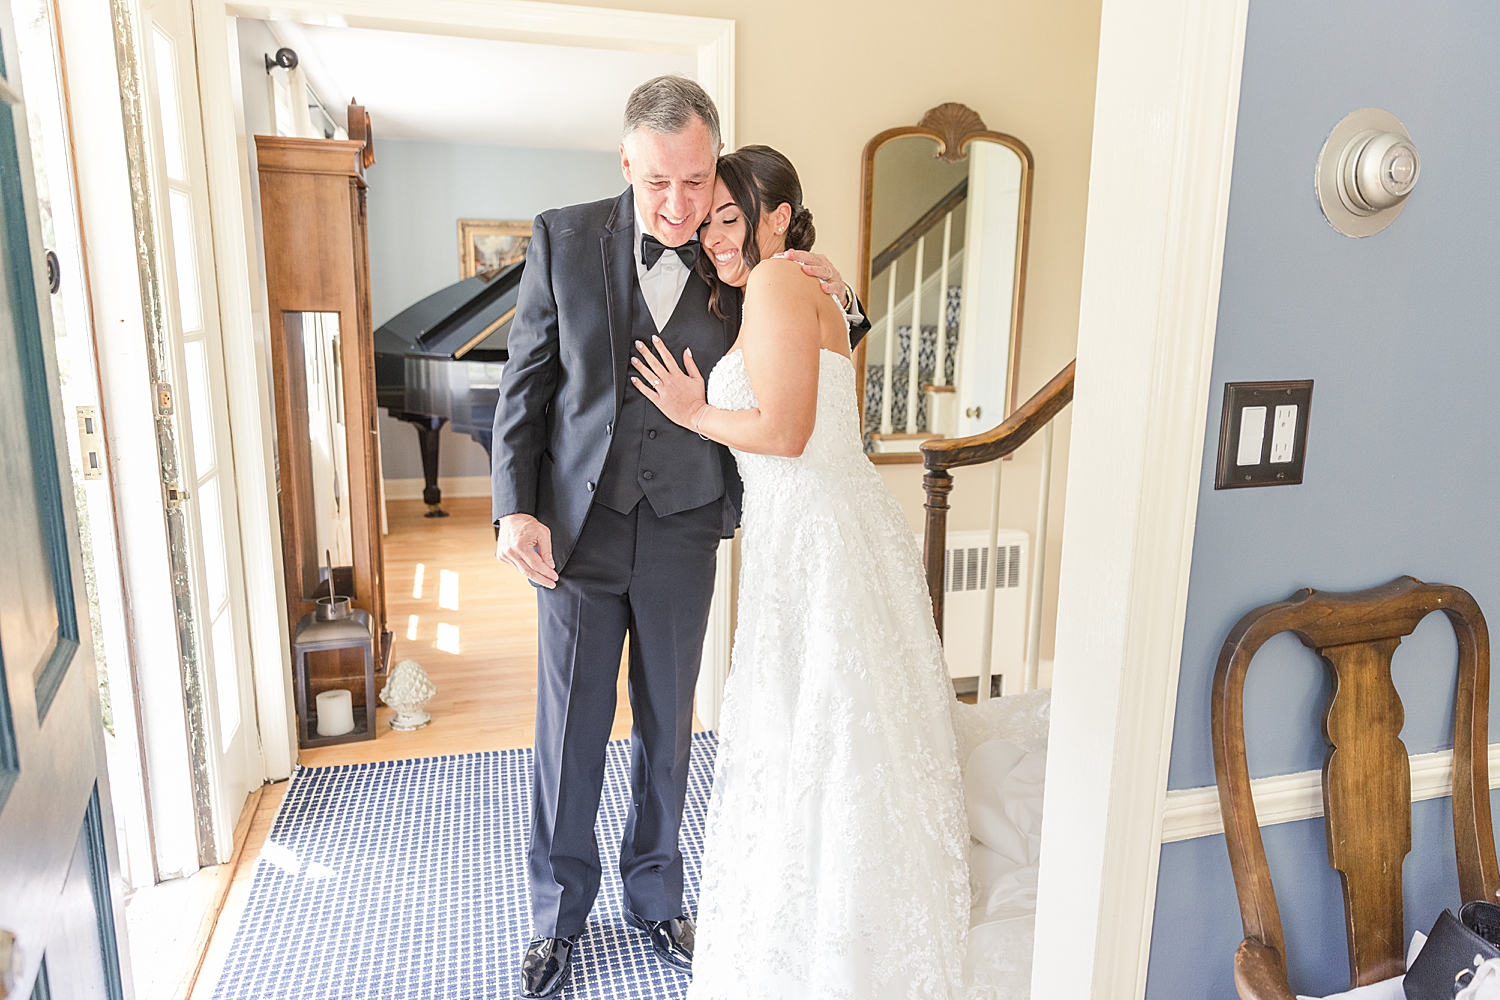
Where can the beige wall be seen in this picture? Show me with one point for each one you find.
(817, 80)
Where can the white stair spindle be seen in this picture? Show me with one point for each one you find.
(890, 349)
(940, 376)
(915, 341)
(1039, 563)
(987, 637)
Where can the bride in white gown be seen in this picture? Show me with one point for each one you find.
(835, 862)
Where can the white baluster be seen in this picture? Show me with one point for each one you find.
(915, 342)
(987, 640)
(1039, 563)
(890, 349)
(940, 377)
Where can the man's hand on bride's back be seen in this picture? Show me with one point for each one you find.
(526, 544)
(678, 391)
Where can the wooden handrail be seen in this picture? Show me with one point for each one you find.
(997, 442)
(942, 454)
(930, 218)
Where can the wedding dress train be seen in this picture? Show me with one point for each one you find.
(836, 864)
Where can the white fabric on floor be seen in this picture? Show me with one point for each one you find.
(1386, 989)
(1003, 744)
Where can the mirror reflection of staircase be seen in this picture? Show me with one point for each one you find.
(933, 394)
(943, 231)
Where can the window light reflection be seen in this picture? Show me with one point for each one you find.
(411, 626)
(282, 857)
(416, 588)
(448, 589)
(447, 638)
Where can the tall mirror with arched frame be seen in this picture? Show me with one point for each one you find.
(944, 222)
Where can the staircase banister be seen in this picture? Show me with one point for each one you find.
(918, 229)
(941, 454)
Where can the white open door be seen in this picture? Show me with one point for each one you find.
(193, 356)
(984, 342)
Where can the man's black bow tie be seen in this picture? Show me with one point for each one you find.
(652, 249)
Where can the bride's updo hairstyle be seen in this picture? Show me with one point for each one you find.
(760, 179)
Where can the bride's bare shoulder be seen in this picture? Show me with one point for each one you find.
(781, 277)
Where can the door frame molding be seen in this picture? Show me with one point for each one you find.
(242, 295)
(1166, 108)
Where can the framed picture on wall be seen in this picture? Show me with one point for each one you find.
(490, 244)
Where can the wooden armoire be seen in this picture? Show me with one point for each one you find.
(312, 198)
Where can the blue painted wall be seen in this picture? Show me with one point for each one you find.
(1401, 333)
(418, 192)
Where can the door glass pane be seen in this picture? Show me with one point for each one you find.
(215, 562)
(226, 679)
(185, 253)
(166, 105)
(200, 406)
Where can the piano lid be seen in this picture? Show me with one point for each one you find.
(468, 321)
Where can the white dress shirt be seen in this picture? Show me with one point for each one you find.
(662, 285)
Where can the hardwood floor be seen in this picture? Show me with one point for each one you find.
(475, 635)
(471, 623)
(268, 800)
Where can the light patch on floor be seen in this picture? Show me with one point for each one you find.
(448, 590)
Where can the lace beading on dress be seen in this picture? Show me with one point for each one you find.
(836, 859)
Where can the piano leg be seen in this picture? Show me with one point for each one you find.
(428, 430)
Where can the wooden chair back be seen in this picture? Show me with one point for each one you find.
(1366, 775)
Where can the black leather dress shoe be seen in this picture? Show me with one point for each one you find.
(545, 969)
(672, 940)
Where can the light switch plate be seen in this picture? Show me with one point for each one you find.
(1263, 434)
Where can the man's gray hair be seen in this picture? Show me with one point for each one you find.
(668, 104)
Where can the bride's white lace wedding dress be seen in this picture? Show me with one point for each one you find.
(835, 865)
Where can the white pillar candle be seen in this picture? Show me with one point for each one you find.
(335, 712)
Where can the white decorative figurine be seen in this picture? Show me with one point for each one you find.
(407, 690)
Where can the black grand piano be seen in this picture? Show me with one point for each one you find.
(439, 361)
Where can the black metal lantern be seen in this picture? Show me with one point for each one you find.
(325, 637)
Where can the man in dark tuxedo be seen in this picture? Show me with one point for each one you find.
(615, 514)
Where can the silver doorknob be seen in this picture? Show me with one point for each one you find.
(11, 963)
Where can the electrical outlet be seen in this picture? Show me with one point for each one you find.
(1263, 434)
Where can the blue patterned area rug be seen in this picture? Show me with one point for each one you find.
(406, 880)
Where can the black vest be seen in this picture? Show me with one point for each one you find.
(649, 456)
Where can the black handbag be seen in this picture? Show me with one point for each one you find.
(1454, 949)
